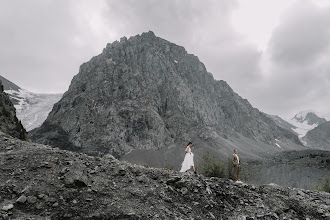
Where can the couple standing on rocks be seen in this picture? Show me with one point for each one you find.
(188, 162)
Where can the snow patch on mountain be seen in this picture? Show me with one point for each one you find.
(32, 108)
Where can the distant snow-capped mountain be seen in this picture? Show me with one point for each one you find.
(31, 108)
(305, 121)
(302, 122)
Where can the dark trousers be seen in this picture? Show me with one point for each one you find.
(236, 172)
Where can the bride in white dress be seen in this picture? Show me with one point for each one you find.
(188, 161)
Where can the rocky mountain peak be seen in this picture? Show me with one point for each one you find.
(146, 93)
(310, 117)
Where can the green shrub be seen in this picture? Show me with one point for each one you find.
(324, 186)
(169, 166)
(212, 167)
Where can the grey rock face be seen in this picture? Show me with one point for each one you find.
(147, 93)
(282, 123)
(7, 85)
(8, 121)
(319, 137)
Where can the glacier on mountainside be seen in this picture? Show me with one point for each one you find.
(32, 108)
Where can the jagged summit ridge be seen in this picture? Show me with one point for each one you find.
(148, 93)
(310, 117)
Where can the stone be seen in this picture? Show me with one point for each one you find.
(173, 179)
(7, 207)
(142, 179)
(21, 199)
(76, 178)
(184, 190)
(40, 196)
(26, 190)
(39, 206)
(301, 193)
(67, 215)
(31, 199)
(50, 199)
(64, 170)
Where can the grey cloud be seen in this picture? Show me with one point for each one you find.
(303, 36)
(37, 45)
(299, 60)
(202, 27)
(46, 41)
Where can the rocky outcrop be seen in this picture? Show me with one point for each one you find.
(145, 93)
(7, 85)
(41, 182)
(319, 137)
(8, 120)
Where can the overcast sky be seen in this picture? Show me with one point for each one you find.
(275, 53)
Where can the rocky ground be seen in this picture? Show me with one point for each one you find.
(40, 182)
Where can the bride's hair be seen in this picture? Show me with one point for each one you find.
(189, 143)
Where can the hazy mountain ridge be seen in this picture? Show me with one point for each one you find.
(31, 108)
(145, 93)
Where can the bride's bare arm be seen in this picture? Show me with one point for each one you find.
(187, 148)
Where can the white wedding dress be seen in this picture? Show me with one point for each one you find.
(188, 161)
